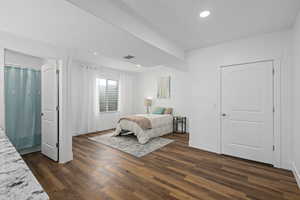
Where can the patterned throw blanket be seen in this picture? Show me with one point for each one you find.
(143, 122)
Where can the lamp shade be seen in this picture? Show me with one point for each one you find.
(148, 102)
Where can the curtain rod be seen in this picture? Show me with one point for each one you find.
(18, 65)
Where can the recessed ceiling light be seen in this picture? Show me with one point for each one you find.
(95, 53)
(138, 65)
(204, 13)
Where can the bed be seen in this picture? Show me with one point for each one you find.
(161, 124)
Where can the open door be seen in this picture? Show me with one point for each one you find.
(50, 110)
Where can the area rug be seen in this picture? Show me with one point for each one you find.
(130, 144)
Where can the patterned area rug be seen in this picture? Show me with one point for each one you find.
(130, 144)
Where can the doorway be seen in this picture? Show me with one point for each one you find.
(247, 111)
(26, 92)
(22, 92)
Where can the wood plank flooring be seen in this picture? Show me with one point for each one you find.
(173, 172)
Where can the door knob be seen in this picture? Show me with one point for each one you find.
(223, 114)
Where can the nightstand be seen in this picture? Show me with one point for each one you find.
(179, 121)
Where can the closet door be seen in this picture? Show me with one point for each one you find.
(50, 111)
(247, 111)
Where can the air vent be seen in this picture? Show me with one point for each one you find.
(128, 57)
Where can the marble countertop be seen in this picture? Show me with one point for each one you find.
(16, 180)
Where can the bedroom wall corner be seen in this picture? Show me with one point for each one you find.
(65, 133)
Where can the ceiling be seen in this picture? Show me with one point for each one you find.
(61, 24)
(155, 32)
(179, 20)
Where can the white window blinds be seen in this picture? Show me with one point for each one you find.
(108, 95)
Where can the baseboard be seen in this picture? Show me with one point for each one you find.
(203, 148)
(296, 174)
(66, 159)
(286, 165)
(30, 150)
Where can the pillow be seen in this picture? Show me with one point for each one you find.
(168, 111)
(159, 111)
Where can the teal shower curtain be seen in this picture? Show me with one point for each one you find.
(23, 106)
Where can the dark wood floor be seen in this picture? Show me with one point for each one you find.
(173, 172)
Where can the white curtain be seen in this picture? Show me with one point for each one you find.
(126, 94)
(86, 117)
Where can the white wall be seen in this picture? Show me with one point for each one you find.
(22, 60)
(296, 100)
(196, 93)
(147, 87)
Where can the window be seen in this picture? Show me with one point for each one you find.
(108, 95)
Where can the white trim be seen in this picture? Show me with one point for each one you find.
(65, 136)
(296, 174)
(30, 150)
(277, 106)
(219, 108)
(277, 161)
(204, 148)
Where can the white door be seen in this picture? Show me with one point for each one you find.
(247, 111)
(50, 111)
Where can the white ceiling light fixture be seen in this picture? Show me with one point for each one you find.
(204, 13)
(95, 53)
(138, 65)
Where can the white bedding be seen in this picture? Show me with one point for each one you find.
(161, 125)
